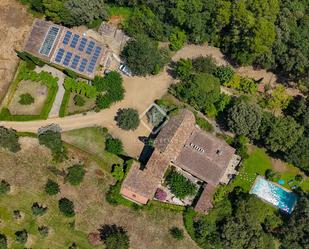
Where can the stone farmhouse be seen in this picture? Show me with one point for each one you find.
(182, 144)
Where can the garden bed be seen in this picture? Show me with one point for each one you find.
(42, 87)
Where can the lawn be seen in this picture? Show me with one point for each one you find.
(257, 163)
(92, 140)
(27, 174)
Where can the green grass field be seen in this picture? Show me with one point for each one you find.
(92, 141)
(257, 163)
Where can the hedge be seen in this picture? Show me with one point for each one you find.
(46, 79)
(188, 217)
(172, 207)
(64, 104)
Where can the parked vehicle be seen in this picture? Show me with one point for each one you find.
(125, 70)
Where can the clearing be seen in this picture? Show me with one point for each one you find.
(15, 23)
(27, 174)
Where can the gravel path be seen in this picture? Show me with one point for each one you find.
(54, 112)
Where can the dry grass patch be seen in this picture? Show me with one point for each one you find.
(73, 109)
(38, 91)
(15, 24)
(27, 172)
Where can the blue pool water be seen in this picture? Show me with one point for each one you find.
(274, 194)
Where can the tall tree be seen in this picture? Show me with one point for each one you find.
(84, 12)
(283, 134)
(244, 119)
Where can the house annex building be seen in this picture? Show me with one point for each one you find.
(182, 144)
(64, 47)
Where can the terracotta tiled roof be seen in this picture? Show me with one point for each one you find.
(174, 134)
(205, 201)
(145, 182)
(205, 156)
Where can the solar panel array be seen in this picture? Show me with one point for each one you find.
(83, 55)
(49, 40)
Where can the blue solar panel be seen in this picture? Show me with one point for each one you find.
(92, 64)
(83, 65)
(97, 51)
(82, 44)
(67, 58)
(74, 41)
(59, 55)
(75, 61)
(90, 47)
(67, 37)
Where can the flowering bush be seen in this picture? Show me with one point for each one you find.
(160, 194)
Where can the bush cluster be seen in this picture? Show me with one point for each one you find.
(180, 186)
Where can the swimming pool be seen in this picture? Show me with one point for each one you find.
(273, 194)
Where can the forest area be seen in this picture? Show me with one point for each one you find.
(270, 34)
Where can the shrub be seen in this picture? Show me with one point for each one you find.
(9, 139)
(204, 65)
(110, 88)
(16, 214)
(79, 100)
(43, 230)
(180, 186)
(76, 174)
(224, 73)
(204, 124)
(177, 233)
(26, 99)
(127, 119)
(270, 174)
(38, 210)
(3, 241)
(21, 236)
(114, 237)
(114, 145)
(240, 142)
(177, 40)
(51, 187)
(79, 87)
(52, 140)
(118, 172)
(66, 207)
(160, 194)
(5, 187)
(183, 69)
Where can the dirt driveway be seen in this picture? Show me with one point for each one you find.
(140, 94)
(15, 23)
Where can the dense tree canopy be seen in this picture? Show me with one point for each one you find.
(244, 119)
(298, 155)
(52, 140)
(248, 31)
(114, 237)
(143, 56)
(294, 232)
(283, 134)
(9, 139)
(127, 119)
(202, 91)
(3, 241)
